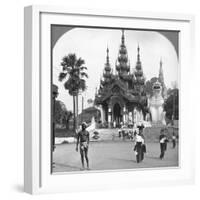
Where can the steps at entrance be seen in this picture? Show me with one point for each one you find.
(151, 134)
(105, 134)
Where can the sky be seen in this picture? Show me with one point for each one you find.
(91, 43)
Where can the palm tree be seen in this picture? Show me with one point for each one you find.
(74, 73)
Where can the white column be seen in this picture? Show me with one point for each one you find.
(136, 117)
(102, 113)
(109, 117)
(141, 116)
(130, 117)
(125, 117)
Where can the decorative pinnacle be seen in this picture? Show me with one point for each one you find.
(161, 63)
(123, 38)
(161, 77)
(138, 55)
(96, 91)
(107, 57)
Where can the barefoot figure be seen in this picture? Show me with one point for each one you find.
(83, 139)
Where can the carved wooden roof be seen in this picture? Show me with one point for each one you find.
(118, 88)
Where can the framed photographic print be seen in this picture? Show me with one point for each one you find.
(107, 101)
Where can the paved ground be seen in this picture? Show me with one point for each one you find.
(112, 155)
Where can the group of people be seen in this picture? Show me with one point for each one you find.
(140, 147)
(83, 140)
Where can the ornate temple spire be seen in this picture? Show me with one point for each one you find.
(123, 38)
(122, 64)
(138, 71)
(161, 79)
(138, 63)
(161, 61)
(96, 91)
(161, 76)
(138, 53)
(107, 67)
(107, 56)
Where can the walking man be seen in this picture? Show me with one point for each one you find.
(140, 147)
(83, 139)
(163, 143)
(173, 140)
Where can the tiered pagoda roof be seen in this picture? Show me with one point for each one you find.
(122, 63)
(107, 72)
(124, 83)
(138, 69)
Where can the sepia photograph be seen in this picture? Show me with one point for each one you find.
(114, 99)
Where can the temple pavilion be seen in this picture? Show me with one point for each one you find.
(121, 96)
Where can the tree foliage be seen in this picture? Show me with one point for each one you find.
(61, 114)
(74, 74)
(172, 104)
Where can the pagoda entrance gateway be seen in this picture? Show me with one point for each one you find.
(121, 91)
(117, 114)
